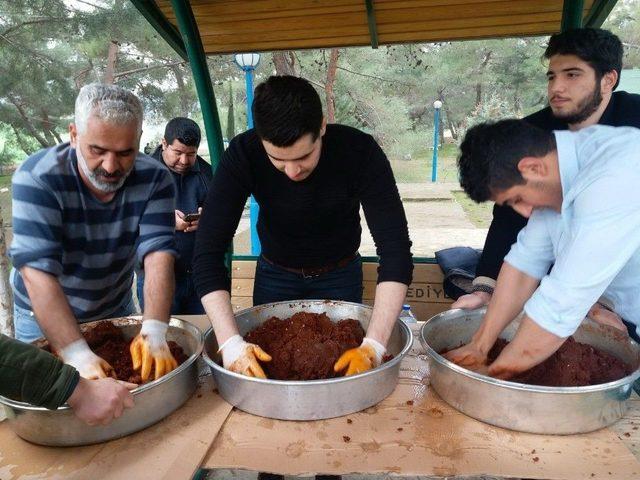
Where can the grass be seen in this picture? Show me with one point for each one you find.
(5, 199)
(480, 214)
(418, 169)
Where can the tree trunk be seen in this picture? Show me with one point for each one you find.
(6, 296)
(478, 94)
(328, 88)
(184, 96)
(55, 134)
(285, 63)
(32, 129)
(25, 148)
(112, 57)
(231, 118)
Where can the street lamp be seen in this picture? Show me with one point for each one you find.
(437, 105)
(248, 63)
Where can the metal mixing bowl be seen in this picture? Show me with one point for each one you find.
(312, 399)
(527, 408)
(153, 401)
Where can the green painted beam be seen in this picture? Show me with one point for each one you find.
(373, 27)
(572, 14)
(599, 12)
(201, 77)
(159, 22)
(200, 71)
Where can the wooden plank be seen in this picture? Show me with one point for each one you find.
(422, 272)
(340, 27)
(413, 432)
(276, 24)
(170, 449)
(628, 427)
(240, 303)
(243, 269)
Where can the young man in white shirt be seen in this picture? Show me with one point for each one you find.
(580, 192)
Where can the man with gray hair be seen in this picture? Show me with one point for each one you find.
(84, 214)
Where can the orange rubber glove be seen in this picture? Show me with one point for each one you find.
(150, 348)
(357, 360)
(242, 357)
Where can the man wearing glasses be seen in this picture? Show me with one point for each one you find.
(191, 176)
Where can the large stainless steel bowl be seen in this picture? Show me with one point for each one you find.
(527, 408)
(312, 399)
(153, 401)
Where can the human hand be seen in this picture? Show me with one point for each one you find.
(150, 348)
(472, 300)
(242, 357)
(469, 356)
(360, 359)
(91, 366)
(604, 316)
(99, 402)
(181, 224)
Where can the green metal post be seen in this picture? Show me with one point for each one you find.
(599, 12)
(159, 22)
(198, 61)
(371, 20)
(572, 14)
(200, 70)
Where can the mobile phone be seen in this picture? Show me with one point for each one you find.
(191, 217)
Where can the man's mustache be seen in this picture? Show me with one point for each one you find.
(103, 173)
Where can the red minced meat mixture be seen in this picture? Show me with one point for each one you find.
(573, 365)
(305, 346)
(107, 341)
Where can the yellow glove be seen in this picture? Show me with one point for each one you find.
(242, 357)
(149, 348)
(357, 360)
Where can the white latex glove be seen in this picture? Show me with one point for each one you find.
(360, 359)
(150, 347)
(242, 357)
(91, 366)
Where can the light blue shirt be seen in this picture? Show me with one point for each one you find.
(594, 242)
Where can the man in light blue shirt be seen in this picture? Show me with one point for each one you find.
(581, 193)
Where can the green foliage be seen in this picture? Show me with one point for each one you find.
(50, 48)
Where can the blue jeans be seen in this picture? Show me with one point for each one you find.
(275, 284)
(185, 300)
(28, 330)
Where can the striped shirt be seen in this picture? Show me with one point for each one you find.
(92, 247)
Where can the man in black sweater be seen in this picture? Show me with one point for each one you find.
(584, 70)
(310, 180)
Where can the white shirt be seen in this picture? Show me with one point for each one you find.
(594, 242)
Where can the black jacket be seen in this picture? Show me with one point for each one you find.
(191, 191)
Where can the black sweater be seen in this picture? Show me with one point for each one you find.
(623, 111)
(310, 223)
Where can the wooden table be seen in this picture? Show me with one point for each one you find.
(412, 432)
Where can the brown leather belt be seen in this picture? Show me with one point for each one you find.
(314, 271)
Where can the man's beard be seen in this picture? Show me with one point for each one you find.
(94, 175)
(585, 109)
